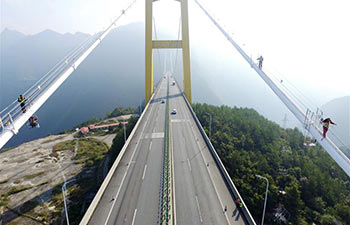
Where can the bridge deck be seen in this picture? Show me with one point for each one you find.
(200, 191)
(135, 183)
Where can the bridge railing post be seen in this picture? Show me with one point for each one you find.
(1, 123)
(13, 125)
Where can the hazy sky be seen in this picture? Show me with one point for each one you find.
(308, 41)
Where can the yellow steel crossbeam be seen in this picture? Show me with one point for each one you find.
(156, 44)
(166, 44)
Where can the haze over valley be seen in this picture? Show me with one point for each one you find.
(113, 75)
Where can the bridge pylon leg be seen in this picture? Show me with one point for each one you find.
(151, 44)
(186, 51)
(149, 52)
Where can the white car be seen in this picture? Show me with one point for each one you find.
(162, 101)
(173, 111)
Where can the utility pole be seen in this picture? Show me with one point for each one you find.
(267, 189)
(64, 198)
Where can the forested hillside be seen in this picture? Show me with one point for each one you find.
(306, 185)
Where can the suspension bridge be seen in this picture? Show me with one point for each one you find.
(168, 172)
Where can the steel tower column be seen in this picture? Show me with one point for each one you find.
(154, 44)
(148, 52)
(186, 51)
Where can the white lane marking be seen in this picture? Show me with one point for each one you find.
(189, 115)
(115, 197)
(128, 165)
(199, 210)
(133, 219)
(211, 178)
(144, 172)
(150, 146)
(189, 165)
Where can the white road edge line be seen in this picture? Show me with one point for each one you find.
(144, 172)
(121, 184)
(133, 219)
(150, 146)
(173, 171)
(199, 210)
(189, 165)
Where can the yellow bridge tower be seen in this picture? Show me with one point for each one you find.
(154, 44)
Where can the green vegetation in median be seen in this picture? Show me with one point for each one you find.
(304, 181)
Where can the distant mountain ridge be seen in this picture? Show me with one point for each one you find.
(10, 37)
(113, 75)
(106, 79)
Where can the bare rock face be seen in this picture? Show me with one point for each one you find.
(30, 175)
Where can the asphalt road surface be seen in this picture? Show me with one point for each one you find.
(200, 192)
(132, 195)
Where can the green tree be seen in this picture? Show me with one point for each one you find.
(327, 219)
(249, 144)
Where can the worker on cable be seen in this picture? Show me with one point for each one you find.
(260, 59)
(22, 102)
(325, 123)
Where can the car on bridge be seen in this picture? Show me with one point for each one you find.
(173, 111)
(162, 101)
